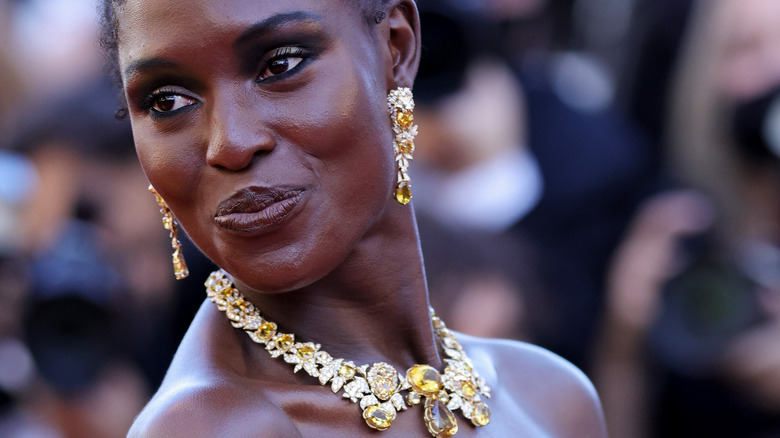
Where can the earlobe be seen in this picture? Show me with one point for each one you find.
(403, 43)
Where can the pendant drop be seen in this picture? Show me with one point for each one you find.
(480, 416)
(403, 193)
(439, 419)
(179, 265)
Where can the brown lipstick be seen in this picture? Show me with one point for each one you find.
(257, 209)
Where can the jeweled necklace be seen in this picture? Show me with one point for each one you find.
(377, 388)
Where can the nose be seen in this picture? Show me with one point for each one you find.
(237, 132)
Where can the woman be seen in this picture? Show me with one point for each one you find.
(697, 274)
(264, 127)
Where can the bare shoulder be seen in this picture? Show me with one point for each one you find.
(201, 396)
(210, 410)
(549, 389)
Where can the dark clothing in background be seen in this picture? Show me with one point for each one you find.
(657, 30)
(596, 171)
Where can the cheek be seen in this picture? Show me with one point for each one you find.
(350, 140)
(366, 168)
(172, 170)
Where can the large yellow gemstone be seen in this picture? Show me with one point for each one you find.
(285, 342)
(379, 417)
(405, 118)
(403, 193)
(424, 379)
(266, 331)
(347, 371)
(439, 419)
(179, 265)
(304, 352)
(468, 390)
(480, 416)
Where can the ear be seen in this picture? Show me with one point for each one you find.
(403, 41)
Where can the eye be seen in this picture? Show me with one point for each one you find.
(167, 102)
(280, 62)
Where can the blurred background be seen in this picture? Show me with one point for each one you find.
(599, 177)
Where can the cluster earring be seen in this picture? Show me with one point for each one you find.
(169, 222)
(401, 106)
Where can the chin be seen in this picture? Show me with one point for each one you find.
(278, 275)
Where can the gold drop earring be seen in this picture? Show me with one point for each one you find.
(401, 106)
(169, 222)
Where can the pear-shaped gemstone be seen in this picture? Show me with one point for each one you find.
(480, 416)
(439, 419)
(403, 193)
(179, 265)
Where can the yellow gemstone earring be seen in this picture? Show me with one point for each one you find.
(401, 106)
(169, 222)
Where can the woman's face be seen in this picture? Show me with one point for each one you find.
(750, 62)
(263, 125)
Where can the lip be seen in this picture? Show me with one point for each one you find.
(257, 209)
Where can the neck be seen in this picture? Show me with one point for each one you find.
(372, 307)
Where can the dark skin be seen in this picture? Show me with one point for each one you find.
(289, 97)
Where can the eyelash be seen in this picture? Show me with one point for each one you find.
(149, 101)
(286, 52)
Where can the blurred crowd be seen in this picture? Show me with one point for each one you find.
(599, 177)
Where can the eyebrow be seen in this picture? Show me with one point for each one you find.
(260, 28)
(274, 22)
(140, 65)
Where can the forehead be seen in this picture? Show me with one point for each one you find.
(232, 8)
(149, 25)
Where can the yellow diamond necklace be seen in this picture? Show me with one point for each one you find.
(377, 388)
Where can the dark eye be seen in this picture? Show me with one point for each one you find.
(166, 103)
(281, 61)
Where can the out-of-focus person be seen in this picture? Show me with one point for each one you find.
(653, 43)
(11, 89)
(75, 225)
(52, 43)
(95, 312)
(519, 152)
(690, 339)
(87, 321)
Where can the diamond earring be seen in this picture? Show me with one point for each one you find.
(400, 106)
(169, 222)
